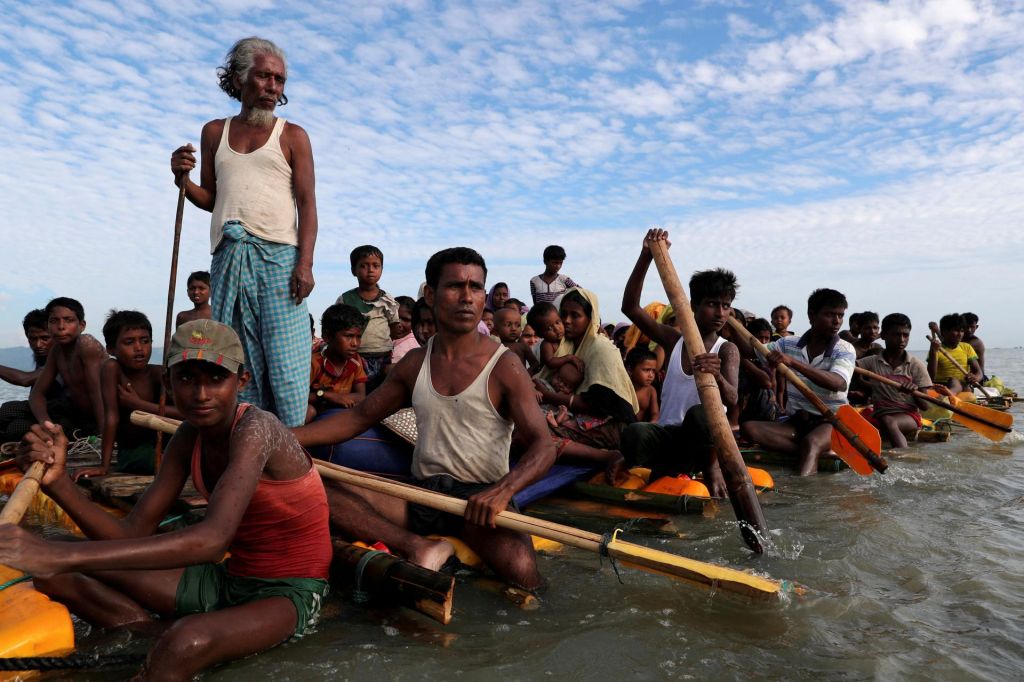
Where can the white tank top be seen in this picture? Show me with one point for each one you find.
(679, 392)
(461, 435)
(254, 189)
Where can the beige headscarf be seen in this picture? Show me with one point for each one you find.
(603, 363)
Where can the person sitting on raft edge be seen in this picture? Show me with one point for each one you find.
(468, 393)
(827, 363)
(267, 507)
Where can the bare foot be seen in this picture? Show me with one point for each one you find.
(432, 554)
(552, 422)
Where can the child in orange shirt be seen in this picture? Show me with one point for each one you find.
(337, 373)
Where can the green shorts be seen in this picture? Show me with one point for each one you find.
(139, 460)
(208, 587)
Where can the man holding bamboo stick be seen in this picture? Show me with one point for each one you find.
(468, 393)
(257, 180)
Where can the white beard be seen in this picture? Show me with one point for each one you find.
(260, 118)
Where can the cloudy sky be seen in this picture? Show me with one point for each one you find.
(876, 148)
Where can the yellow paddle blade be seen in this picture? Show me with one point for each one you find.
(993, 424)
(761, 478)
(967, 397)
(861, 428)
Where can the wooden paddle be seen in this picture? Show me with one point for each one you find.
(742, 493)
(942, 349)
(854, 439)
(23, 494)
(169, 317)
(990, 423)
(653, 560)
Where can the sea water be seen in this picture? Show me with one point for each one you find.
(917, 574)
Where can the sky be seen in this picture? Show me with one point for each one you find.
(875, 148)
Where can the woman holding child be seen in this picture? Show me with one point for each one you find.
(604, 402)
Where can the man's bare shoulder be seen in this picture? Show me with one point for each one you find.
(90, 349)
(511, 371)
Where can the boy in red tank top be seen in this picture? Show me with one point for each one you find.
(267, 507)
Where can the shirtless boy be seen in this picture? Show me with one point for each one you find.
(76, 359)
(128, 382)
(971, 337)
(468, 393)
(199, 293)
(681, 440)
(827, 363)
(642, 365)
(16, 415)
(256, 478)
(870, 331)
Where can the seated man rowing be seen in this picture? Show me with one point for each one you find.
(468, 393)
(266, 507)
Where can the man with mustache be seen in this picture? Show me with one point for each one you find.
(257, 181)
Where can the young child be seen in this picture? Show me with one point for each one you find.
(380, 310)
(506, 328)
(423, 326)
(895, 413)
(199, 293)
(681, 440)
(757, 379)
(75, 362)
(826, 363)
(337, 375)
(865, 344)
(642, 366)
(497, 297)
(850, 335)
(549, 285)
(565, 381)
(516, 305)
(782, 315)
(487, 319)
(266, 507)
(529, 336)
(544, 318)
(940, 369)
(971, 337)
(128, 382)
(401, 334)
(16, 415)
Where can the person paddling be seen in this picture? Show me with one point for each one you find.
(266, 507)
(468, 393)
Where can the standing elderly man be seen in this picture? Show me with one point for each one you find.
(257, 180)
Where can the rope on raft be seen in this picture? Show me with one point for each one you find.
(76, 661)
(14, 581)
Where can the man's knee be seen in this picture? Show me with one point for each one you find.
(185, 643)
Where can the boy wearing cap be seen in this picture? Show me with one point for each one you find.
(267, 507)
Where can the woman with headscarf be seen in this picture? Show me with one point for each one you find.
(496, 297)
(605, 402)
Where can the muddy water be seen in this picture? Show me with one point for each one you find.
(917, 574)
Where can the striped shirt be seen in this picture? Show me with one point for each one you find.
(839, 357)
(543, 292)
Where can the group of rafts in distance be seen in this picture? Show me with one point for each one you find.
(32, 625)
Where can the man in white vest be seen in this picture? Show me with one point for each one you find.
(257, 181)
(468, 393)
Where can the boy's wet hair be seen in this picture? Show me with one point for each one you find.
(952, 322)
(554, 252)
(759, 325)
(519, 304)
(65, 302)
(119, 320)
(34, 319)
(782, 307)
(406, 302)
(894, 320)
(361, 252)
(339, 317)
(458, 255)
(542, 309)
(969, 319)
(854, 320)
(637, 355)
(825, 298)
(708, 283)
(417, 310)
(579, 299)
(200, 275)
(868, 316)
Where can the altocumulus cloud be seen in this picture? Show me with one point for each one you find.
(871, 147)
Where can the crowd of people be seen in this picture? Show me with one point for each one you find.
(501, 389)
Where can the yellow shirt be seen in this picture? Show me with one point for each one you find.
(946, 370)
